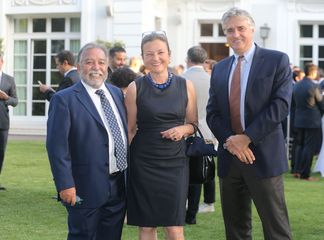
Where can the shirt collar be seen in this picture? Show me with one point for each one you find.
(93, 90)
(248, 56)
(71, 69)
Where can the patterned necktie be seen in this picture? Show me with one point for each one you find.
(120, 150)
(235, 98)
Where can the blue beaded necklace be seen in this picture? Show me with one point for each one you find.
(161, 86)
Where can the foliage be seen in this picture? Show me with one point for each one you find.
(109, 45)
(29, 212)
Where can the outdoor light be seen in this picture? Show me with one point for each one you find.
(264, 33)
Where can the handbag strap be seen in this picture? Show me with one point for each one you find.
(196, 128)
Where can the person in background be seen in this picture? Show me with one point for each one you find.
(250, 94)
(178, 69)
(135, 64)
(309, 106)
(160, 107)
(117, 59)
(8, 97)
(209, 64)
(298, 75)
(87, 149)
(196, 57)
(122, 77)
(65, 63)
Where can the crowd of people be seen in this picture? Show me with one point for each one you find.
(116, 134)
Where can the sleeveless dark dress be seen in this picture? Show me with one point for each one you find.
(158, 170)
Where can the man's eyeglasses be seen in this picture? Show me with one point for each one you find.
(144, 34)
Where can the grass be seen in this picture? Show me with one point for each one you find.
(28, 212)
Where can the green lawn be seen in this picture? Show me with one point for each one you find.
(28, 212)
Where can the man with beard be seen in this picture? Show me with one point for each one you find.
(87, 150)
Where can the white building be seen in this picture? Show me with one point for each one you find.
(35, 30)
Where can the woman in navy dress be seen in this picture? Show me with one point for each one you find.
(160, 108)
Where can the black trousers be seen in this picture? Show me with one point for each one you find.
(194, 196)
(238, 189)
(309, 141)
(3, 145)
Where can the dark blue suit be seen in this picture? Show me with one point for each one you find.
(267, 102)
(308, 114)
(77, 145)
(71, 78)
(266, 105)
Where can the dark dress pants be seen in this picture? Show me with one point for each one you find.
(310, 146)
(238, 189)
(3, 144)
(193, 200)
(309, 140)
(103, 223)
(194, 197)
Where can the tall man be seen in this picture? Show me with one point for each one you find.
(65, 63)
(309, 103)
(196, 57)
(87, 149)
(250, 95)
(8, 97)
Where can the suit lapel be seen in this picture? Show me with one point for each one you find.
(227, 73)
(257, 62)
(83, 96)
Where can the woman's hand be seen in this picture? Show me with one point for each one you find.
(174, 134)
(177, 133)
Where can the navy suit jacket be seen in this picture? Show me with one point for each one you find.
(309, 104)
(267, 102)
(71, 78)
(77, 145)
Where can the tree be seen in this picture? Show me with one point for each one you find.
(109, 45)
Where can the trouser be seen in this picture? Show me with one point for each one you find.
(309, 140)
(104, 223)
(3, 144)
(238, 189)
(194, 196)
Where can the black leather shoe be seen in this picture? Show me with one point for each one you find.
(2, 188)
(190, 220)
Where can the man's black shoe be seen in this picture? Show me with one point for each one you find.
(2, 188)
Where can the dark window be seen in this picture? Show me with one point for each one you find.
(321, 51)
(220, 30)
(39, 25)
(306, 31)
(306, 51)
(39, 76)
(321, 31)
(39, 62)
(57, 46)
(58, 25)
(206, 29)
(38, 108)
(40, 46)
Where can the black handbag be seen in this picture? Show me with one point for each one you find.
(201, 161)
